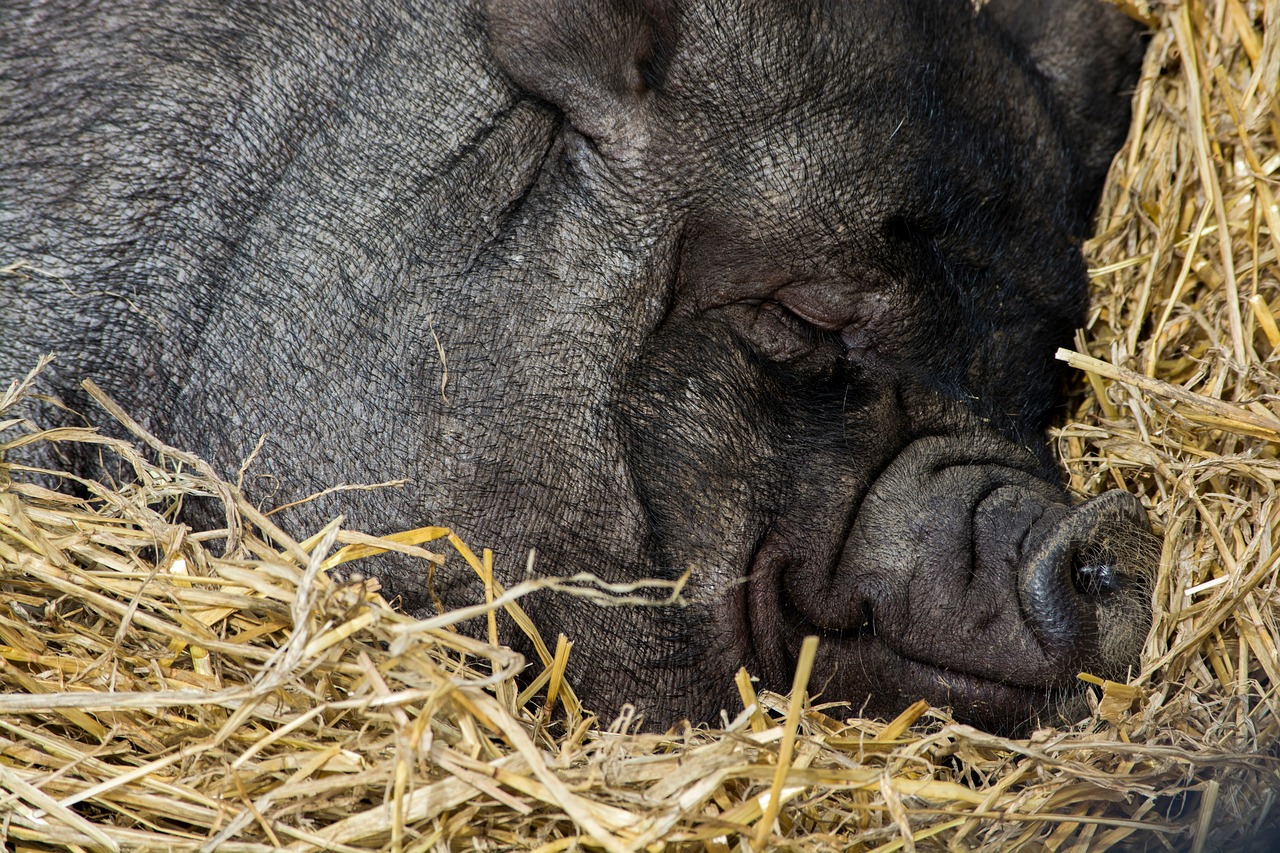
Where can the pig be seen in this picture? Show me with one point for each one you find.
(758, 294)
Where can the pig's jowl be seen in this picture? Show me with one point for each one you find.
(761, 291)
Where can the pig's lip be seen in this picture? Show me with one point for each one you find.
(923, 678)
(875, 678)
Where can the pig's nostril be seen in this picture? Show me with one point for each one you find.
(1084, 568)
(1095, 579)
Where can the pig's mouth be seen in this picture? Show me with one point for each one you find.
(851, 661)
(859, 666)
(967, 583)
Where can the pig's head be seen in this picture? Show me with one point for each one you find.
(864, 221)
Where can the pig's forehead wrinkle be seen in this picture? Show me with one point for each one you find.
(753, 63)
(733, 109)
(756, 36)
(817, 206)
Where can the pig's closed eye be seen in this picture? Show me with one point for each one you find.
(780, 335)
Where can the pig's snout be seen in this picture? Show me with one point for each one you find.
(965, 578)
(1085, 565)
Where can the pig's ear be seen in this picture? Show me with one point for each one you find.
(1089, 54)
(591, 58)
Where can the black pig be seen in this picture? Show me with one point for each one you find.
(766, 291)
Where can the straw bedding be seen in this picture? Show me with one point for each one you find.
(168, 690)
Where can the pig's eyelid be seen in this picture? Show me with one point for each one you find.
(815, 336)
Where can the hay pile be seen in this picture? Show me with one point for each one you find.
(164, 690)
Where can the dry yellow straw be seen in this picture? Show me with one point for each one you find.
(804, 667)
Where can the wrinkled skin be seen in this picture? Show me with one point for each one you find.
(762, 291)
